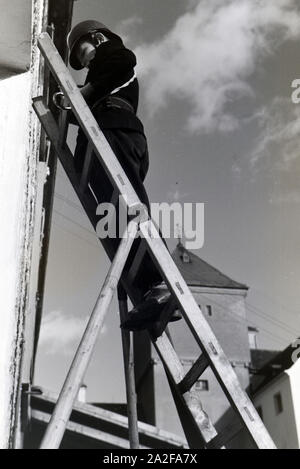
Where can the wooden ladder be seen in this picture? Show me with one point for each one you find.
(198, 428)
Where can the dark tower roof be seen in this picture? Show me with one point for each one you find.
(197, 272)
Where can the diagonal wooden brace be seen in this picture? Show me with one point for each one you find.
(63, 409)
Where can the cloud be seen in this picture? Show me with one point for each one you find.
(208, 56)
(279, 134)
(61, 334)
(128, 23)
(128, 28)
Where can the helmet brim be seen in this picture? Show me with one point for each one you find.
(73, 60)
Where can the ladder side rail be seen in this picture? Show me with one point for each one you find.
(184, 406)
(199, 430)
(88, 123)
(205, 338)
(128, 358)
(69, 392)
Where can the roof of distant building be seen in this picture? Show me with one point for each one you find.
(197, 272)
(281, 362)
(260, 358)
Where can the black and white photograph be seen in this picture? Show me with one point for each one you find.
(150, 227)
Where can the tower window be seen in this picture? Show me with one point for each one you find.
(202, 385)
(278, 403)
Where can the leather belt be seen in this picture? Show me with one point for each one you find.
(116, 102)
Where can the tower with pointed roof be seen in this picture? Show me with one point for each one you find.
(222, 301)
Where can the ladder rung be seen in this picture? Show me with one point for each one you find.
(199, 367)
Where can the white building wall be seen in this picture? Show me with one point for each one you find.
(294, 375)
(14, 121)
(282, 427)
(19, 151)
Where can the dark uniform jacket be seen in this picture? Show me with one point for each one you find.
(112, 67)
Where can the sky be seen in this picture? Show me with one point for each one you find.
(215, 80)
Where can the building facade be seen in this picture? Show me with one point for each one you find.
(21, 22)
